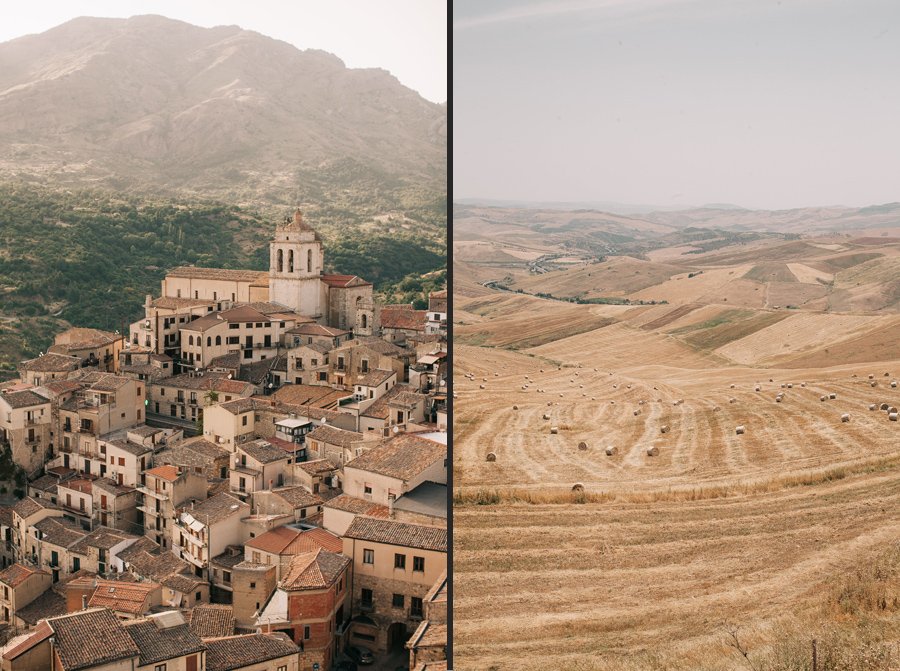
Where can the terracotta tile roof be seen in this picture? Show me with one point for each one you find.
(231, 361)
(314, 570)
(403, 457)
(103, 538)
(375, 378)
(169, 473)
(334, 436)
(234, 652)
(263, 451)
(313, 539)
(428, 635)
(49, 604)
(351, 504)
(380, 346)
(318, 466)
(83, 338)
(91, 638)
(146, 559)
(172, 303)
(51, 363)
(158, 642)
(390, 532)
(61, 386)
(59, 531)
(273, 541)
(238, 405)
(29, 506)
(298, 497)
(180, 582)
(226, 274)
(403, 318)
(23, 399)
(313, 329)
(217, 508)
(122, 597)
(41, 633)
(244, 314)
(15, 575)
(380, 409)
(317, 396)
(343, 281)
(208, 381)
(211, 620)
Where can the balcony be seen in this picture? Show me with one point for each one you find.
(146, 491)
(149, 510)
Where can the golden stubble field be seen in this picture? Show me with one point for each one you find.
(721, 544)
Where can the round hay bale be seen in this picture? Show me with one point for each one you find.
(790, 385)
(554, 430)
(802, 384)
(653, 451)
(757, 388)
(884, 406)
(871, 377)
(783, 385)
(628, 386)
(732, 400)
(481, 386)
(546, 416)
(615, 386)
(732, 386)
(716, 408)
(893, 416)
(578, 487)
(612, 402)
(582, 445)
(845, 417)
(739, 430)
(611, 450)
(872, 406)
(637, 412)
(778, 399)
(491, 457)
(823, 398)
(664, 428)
(515, 407)
(892, 409)
(560, 395)
(893, 384)
(887, 374)
(873, 383)
(496, 374)
(771, 380)
(832, 396)
(484, 379)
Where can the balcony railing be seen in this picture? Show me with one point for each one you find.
(162, 496)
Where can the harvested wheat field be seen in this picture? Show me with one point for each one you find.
(694, 485)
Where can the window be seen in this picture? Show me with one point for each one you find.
(252, 585)
(418, 563)
(366, 598)
(244, 420)
(399, 561)
(306, 632)
(309, 260)
(280, 261)
(291, 261)
(397, 601)
(368, 557)
(282, 668)
(415, 606)
(159, 667)
(367, 489)
(226, 576)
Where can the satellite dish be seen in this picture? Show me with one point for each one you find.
(229, 376)
(396, 429)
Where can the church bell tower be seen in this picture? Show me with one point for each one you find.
(296, 260)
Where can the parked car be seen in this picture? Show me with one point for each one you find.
(360, 655)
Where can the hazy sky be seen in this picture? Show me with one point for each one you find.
(760, 103)
(406, 37)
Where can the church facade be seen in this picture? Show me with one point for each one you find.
(296, 280)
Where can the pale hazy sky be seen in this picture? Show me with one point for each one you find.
(406, 37)
(760, 103)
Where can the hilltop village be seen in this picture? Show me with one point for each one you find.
(253, 477)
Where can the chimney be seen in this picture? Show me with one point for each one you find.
(84, 602)
(391, 498)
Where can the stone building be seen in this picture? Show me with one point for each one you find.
(395, 564)
(25, 427)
